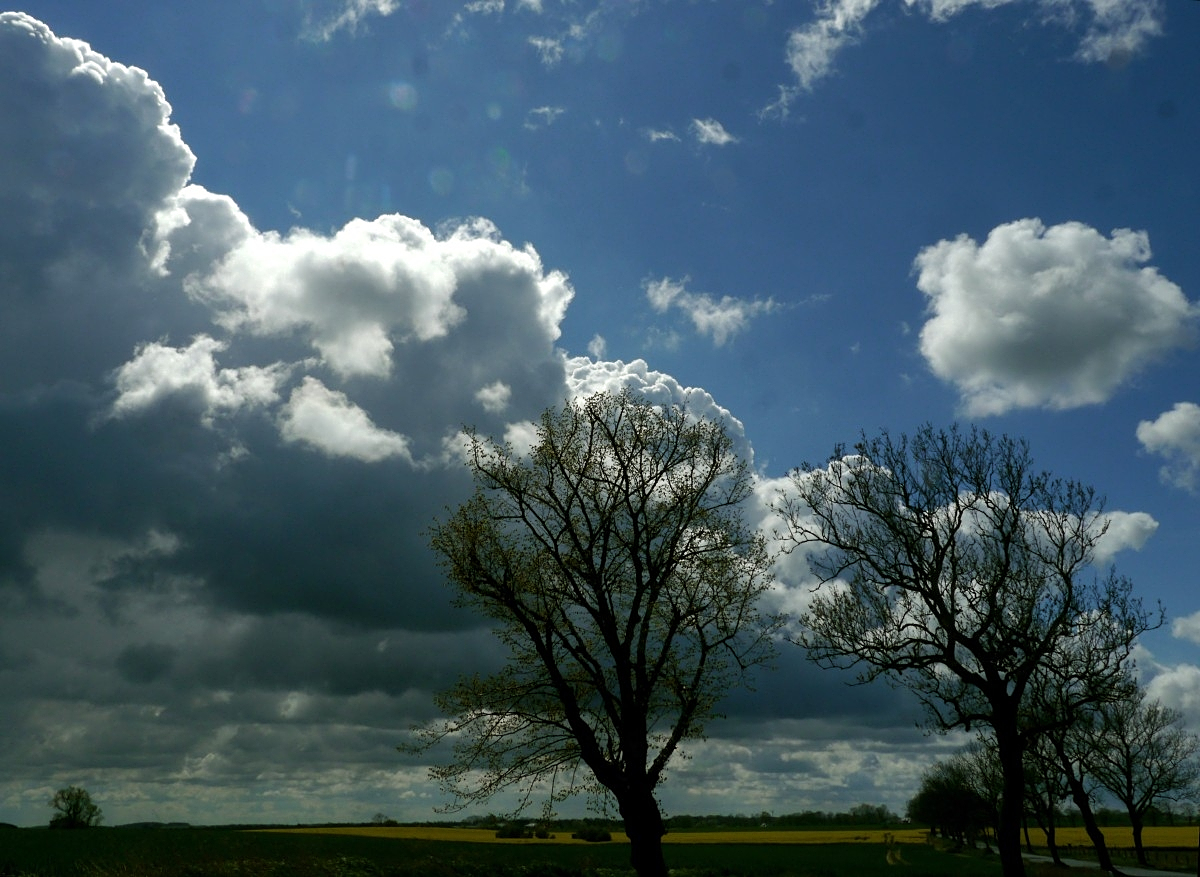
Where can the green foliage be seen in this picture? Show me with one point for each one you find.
(623, 581)
(593, 835)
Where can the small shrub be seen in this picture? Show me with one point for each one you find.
(593, 835)
(513, 831)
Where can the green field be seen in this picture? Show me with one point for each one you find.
(125, 852)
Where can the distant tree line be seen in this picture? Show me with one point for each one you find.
(858, 815)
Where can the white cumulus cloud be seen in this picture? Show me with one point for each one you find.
(1178, 687)
(328, 421)
(1053, 317)
(1126, 530)
(1187, 627)
(1175, 434)
(710, 132)
(720, 319)
(157, 372)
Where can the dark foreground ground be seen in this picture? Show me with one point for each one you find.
(125, 852)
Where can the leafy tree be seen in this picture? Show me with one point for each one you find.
(1139, 751)
(949, 803)
(949, 565)
(73, 808)
(615, 563)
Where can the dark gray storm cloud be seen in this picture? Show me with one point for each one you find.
(223, 447)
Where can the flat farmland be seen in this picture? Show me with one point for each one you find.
(487, 835)
(454, 852)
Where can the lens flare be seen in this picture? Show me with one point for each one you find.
(441, 180)
(402, 96)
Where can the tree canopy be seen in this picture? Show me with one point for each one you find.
(615, 564)
(73, 808)
(950, 565)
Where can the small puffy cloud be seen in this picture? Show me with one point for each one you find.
(1125, 530)
(1175, 434)
(1178, 687)
(549, 49)
(711, 132)
(1187, 627)
(495, 396)
(656, 135)
(720, 319)
(1053, 317)
(157, 372)
(597, 347)
(328, 421)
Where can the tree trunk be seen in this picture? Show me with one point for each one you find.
(1012, 768)
(1136, 821)
(1051, 842)
(1080, 796)
(644, 828)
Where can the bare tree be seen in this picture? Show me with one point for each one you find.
(1139, 751)
(73, 808)
(950, 566)
(1085, 675)
(1045, 787)
(620, 575)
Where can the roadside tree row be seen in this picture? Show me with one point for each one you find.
(615, 564)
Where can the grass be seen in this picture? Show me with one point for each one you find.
(1167, 847)
(387, 852)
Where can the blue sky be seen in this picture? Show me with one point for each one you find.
(248, 296)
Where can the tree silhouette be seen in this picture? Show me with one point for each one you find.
(950, 566)
(622, 579)
(73, 808)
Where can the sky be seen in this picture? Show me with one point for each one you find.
(261, 260)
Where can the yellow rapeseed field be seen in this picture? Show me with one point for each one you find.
(1152, 836)
(483, 835)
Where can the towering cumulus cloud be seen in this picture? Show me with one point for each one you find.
(222, 447)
